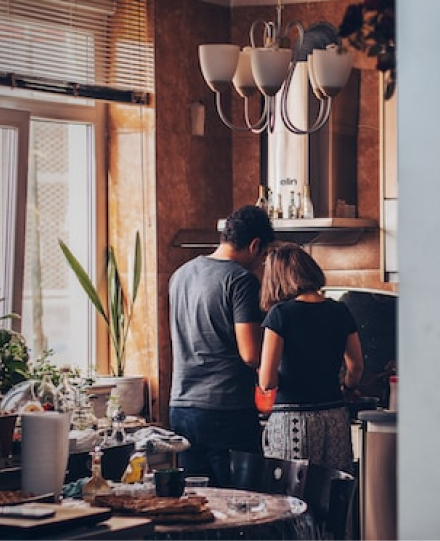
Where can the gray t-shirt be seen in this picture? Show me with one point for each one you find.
(207, 297)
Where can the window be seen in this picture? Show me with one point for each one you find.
(60, 202)
(61, 63)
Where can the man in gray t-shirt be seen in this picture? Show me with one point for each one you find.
(215, 322)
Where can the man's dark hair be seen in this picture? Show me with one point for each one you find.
(245, 224)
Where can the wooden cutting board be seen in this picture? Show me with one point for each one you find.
(65, 518)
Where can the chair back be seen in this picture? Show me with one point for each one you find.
(266, 474)
(329, 494)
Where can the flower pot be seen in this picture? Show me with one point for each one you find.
(131, 391)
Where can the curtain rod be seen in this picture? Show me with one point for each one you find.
(55, 86)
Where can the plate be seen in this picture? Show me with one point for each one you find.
(297, 506)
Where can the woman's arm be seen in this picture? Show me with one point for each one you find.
(272, 350)
(354, 362)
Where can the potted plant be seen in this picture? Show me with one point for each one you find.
(14, 368)
(14, 356)
(117, 309)
(370, 26)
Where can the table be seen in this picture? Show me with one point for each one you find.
(281, 517)
(114, 528)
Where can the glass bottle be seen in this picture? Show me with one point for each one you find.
(96, 484)
(47, 393)
(279, 209)
(118, 430)
(66, 393)
(262, 200)
(307, 205)
(294, 205)
(271, 206)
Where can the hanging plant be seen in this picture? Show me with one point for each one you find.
(370, 27)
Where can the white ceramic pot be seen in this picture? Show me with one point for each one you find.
(131, 391)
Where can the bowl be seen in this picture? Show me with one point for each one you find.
(246, 503)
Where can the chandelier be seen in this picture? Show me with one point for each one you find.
(269, 69)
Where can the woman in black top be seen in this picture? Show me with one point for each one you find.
(308, 339)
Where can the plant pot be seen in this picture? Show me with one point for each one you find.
(131, 391)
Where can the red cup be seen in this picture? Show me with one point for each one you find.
(264, 400)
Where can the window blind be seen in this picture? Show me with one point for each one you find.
(101, 49)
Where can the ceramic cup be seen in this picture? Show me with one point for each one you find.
(170, 483)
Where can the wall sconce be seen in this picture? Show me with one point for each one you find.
(198, 118)
(270, 68)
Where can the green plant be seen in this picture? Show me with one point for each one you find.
(14, 356)
(119, 304)
(370, 26)
(43, 365)
(14, 359)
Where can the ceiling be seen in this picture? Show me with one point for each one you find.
(240, 3)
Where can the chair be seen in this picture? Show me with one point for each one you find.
(266, 474)
(329, 494)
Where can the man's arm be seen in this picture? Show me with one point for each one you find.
(248, 337)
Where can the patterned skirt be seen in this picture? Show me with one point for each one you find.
(323, 436)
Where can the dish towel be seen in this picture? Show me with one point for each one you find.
(155, 439)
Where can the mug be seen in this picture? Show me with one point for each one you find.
(170, 483)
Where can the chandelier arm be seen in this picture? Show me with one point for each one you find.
(283, 105)
(301, 33)
(323, 113)
(223, 117)
(322, 117)
(267, 31)
(261, 123)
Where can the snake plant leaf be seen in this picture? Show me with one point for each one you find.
(120, 305)
(83, 279)
(116, 307)
(137, 266)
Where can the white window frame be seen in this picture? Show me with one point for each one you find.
(91, 114)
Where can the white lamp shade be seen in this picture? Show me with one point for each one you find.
(331, 69)
(243, 79)
(270, 67)
(218, 63)
(315, 87)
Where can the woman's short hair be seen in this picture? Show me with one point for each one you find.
(289, 271)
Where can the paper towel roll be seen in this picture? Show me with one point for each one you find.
(44, 451)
